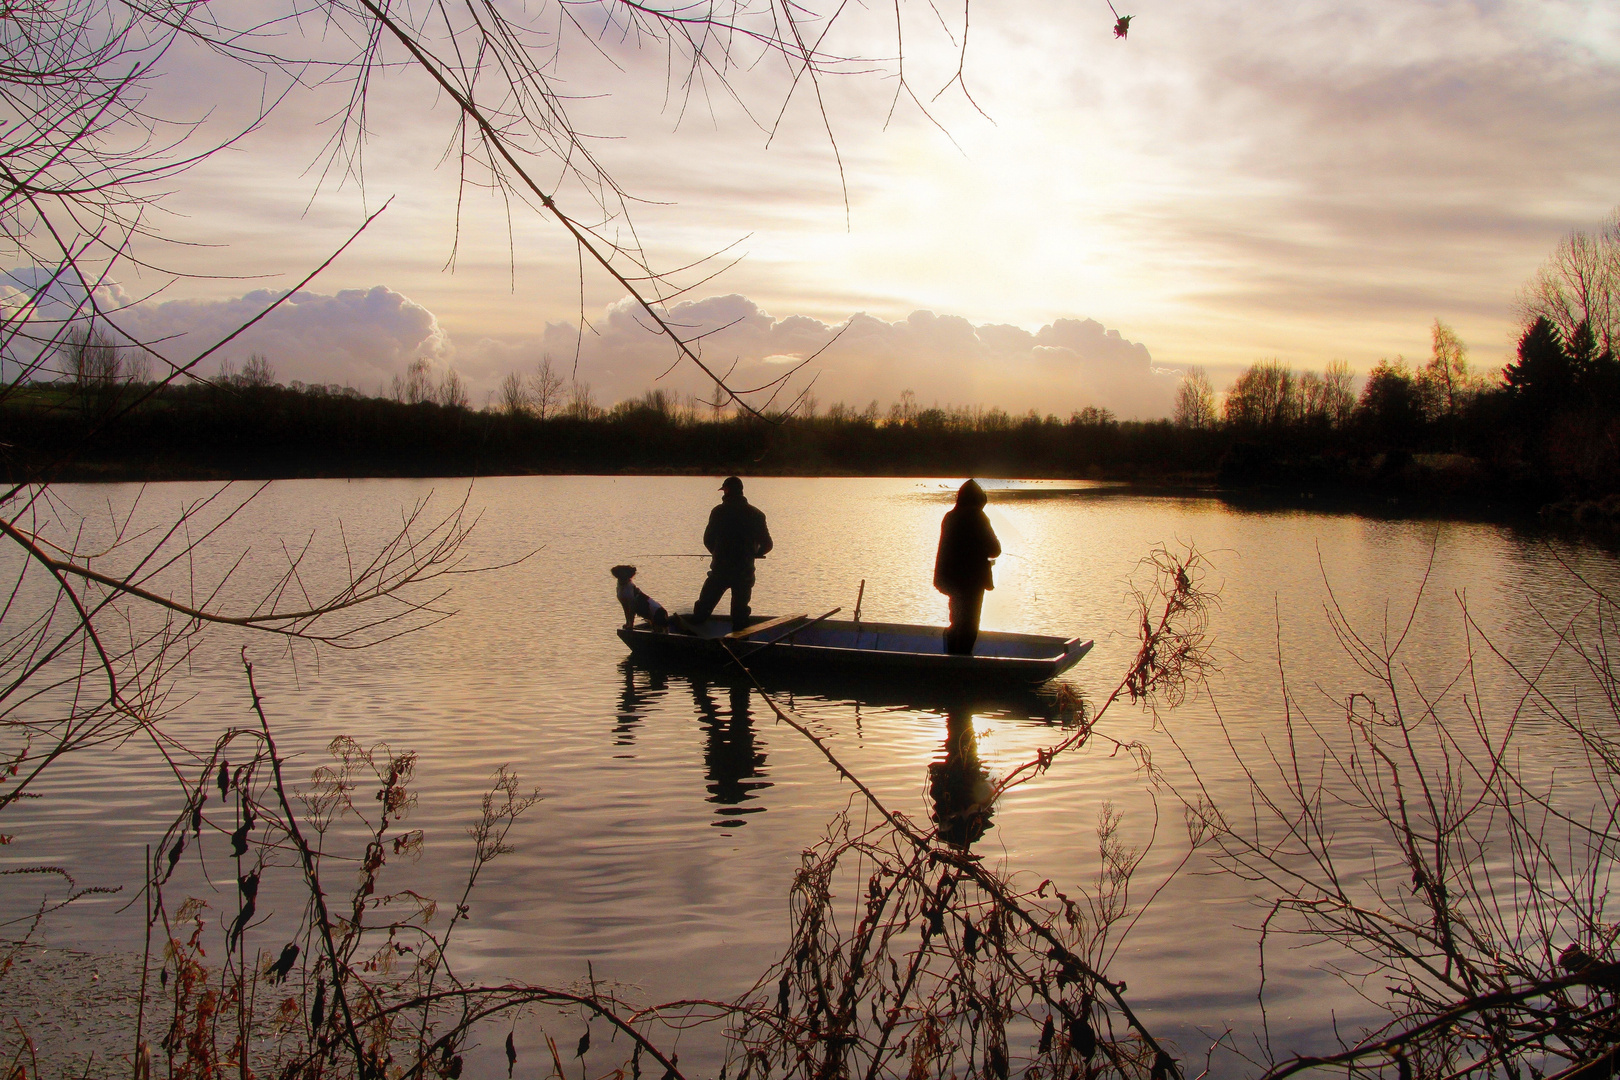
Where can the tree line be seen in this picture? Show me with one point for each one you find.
(1544, 427)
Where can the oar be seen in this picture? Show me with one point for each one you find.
(762, 646)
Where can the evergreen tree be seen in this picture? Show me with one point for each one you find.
(1543, 377)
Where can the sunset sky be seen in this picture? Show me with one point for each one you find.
(1308, 181)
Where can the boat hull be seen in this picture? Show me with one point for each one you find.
(844, 646)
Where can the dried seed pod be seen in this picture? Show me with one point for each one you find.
(249, 888)
(1163, 1067)
(196, 818)
(1046, 1035)
(584, 1044)
(998, 1061)
(1081, 1038)
(176, 851)
(239, 839)
(511, 1055)
(454, 1071)
(283, 963)
(317, 1011)
(970, 940)
(248, 885)
(782, 996)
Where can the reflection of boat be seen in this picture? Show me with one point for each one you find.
(913, 693)
(840, 646)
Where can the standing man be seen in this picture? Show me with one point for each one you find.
(967, 546)
(736, 536)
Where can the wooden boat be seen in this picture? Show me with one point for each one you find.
(807, 643)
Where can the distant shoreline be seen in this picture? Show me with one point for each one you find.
(215, 433)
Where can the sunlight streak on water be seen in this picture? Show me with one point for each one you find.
(675, 807)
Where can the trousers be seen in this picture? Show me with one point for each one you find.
(964, 628)
(740, 580)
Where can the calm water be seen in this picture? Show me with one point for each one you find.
(674, 810)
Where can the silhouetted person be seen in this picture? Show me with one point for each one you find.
(960, 785)
(967, 546)
(736, 536)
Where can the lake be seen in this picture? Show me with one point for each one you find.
(674, 808)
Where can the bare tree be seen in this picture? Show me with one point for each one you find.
(547, 387)
(452, 393)
(257, 372)
(94, 368)
(1195, 401)
(416, 385)
(1263, 396)
(582, 401)
(1580, 283)
(1338, 393)
(514, 396)
(1446, 383)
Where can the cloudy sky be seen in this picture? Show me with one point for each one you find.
(1309, 181)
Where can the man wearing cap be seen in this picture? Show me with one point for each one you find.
(736, 536)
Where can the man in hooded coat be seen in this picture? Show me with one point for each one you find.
(967, 546)
(735, 537)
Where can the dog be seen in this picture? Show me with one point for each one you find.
(635, 602)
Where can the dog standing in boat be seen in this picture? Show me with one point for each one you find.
(635, 602)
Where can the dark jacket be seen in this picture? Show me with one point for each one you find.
(967, 543)
(736, 534)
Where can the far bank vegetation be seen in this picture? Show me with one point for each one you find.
(1543, 428)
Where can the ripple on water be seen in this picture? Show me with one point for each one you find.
(674, 809)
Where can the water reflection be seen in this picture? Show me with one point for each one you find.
(634, 702)
(732, 759)
(734, 764)
(959, 785)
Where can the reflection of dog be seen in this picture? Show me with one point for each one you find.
(635, 602)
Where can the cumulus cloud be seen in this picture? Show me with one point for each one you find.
(364, 337)
(943, 359)
(356, 337)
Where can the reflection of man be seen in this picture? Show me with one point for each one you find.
(735, 763)
(967, 546)
(960, 785)
(736, 536)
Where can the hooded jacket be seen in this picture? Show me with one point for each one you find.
(967, 543)
(736, 534)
